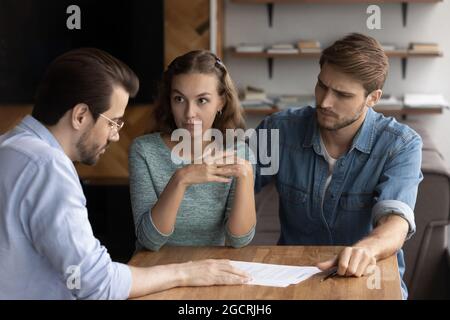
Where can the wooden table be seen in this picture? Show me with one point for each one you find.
(313, 288)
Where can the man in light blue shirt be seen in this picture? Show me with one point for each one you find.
(47, 248)
(347, 175)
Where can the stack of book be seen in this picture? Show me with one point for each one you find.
(309, 46)
(285, 101)
(253, 97)
(249, 48)
(282, 48)
(389, 102)
(414, 100)
(388, 47)
(424, 47)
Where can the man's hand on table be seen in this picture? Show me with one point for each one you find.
(384, 241)
(351, 262)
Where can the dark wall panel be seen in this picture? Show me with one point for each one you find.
(34, 32)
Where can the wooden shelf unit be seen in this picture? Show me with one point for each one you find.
(396, 53)
(403, 54)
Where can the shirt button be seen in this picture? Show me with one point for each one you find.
(332, 196)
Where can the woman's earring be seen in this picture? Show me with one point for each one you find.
(219, 112)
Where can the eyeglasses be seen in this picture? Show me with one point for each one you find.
(115, 126)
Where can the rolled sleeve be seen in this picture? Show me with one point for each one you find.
(388, 207)
(399, 181)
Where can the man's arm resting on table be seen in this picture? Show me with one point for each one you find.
(198, 273)
(385, 240)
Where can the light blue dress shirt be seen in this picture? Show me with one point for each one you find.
(47, 247)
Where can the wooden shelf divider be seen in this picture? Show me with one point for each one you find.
(403, 54)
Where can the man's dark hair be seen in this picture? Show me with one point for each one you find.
(85, 75)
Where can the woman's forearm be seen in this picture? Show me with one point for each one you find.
(243, 214)
(164, 212)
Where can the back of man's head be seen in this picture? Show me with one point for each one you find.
(86, 76)
(360, 56)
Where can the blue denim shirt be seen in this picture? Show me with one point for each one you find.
(378, 176)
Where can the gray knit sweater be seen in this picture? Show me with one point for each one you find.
(203, 213)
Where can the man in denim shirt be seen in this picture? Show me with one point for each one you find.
(347, 175)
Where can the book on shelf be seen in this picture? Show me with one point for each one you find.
(257, 104)
(389, 47)
(282, 48)
(420, 47)
(249, 48)
(389, 102)
(311, 50)
(285, 101)
(283, 51)
(254, 93)
(309, 46)
(419, 100)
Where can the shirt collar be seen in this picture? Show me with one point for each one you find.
(362, 141)
(364, 138)
(30, 124)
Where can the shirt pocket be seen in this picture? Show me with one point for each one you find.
(292, 194)
(356, 202)
(296, 209)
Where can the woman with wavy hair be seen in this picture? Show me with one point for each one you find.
(179, 201)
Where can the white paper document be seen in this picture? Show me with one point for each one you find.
(275, 275)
